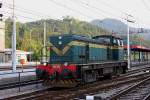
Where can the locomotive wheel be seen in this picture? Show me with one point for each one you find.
(45, 75)
(108, 76)
(89, 76)
(119, 70)
(42, 74)
(124, 70)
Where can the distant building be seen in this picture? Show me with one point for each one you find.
(2, 41)
(19, 55)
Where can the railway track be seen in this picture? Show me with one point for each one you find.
(19, 84)
(139, 91)
(109, 91)
(66, 94)
(147, 97)
(24, 83)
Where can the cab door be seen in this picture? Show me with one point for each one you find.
(109, 53)
(87, 53)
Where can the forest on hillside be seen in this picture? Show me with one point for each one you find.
(30, 34)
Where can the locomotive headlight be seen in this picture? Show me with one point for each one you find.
(60, 37)
(59, 42)
(65, 64)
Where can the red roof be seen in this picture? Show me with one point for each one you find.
(137, 47)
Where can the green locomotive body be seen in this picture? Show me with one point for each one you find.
(83, 59)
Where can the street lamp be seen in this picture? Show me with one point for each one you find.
(128, 40)
(0, 5)
(14, 39)
(1, 15)
(30, 44)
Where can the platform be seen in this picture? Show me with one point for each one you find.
(7, 75)
(8, 66)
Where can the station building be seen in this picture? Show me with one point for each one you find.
(19, 55)
(5, 54)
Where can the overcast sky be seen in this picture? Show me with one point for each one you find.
(86, 10)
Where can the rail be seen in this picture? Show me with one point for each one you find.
(147, 97)
(18, 79)
(75, 92)
(128, 89)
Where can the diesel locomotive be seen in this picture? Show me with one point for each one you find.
(75, 59)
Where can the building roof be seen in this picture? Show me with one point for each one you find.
(138, 48)
(8, 51)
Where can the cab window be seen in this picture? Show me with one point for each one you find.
(121, 41)
(114, 41)
(118, 42)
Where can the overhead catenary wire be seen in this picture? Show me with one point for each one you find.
(124, 12)
(69, 8)
(93, 7)
(37, 14)
(32, 12)
(73, 10)
(85, 6)
(27, 11)
(17, 15)
(112, 7)
(145, 5)
(101, 11)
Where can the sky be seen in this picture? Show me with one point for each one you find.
(86, 10)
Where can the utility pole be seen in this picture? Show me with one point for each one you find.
(14, 40)
(30, 44)
(44, 43)
(70, 25)
(128, 44)
(128, 40)
(44, 34)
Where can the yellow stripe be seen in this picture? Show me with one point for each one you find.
(97, 46)
(57, 51)
(116, 47)
(66, 48)
(78, 43)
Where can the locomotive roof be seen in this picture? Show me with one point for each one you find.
(87, 39)
(107, 36)
(80, 38)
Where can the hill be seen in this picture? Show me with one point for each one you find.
(35, 29)
(111, 25)
(116, 26)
